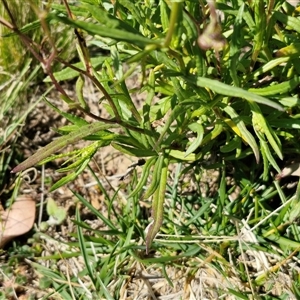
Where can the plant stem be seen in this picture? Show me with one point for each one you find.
(173, 20)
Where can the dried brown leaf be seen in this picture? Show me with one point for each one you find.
(17, 219)
(292, 169)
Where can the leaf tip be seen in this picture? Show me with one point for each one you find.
(16, 169)
(149, 237)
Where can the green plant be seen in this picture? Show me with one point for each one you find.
(231, 102)
(13, 56)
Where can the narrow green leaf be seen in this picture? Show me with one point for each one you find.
(286, 123)
(96, 212)
(266, 150)
(133, 151)
(238, 294)
(147, 108)
(283, 242)
(108, 20)
(164, 15)
(235, 48)
(231, 91)
(290, 101)
(113, 33)
(79, 92)
(260, 19)
(261, 127)
(177, 111)
(70, 177)
(266, 164)
(218, 128)
(198, 128)
(131, 140)
(181, 155)
(245, 133)
(155, 180)
(277, 88)
(269, 66)
(146, 171)
(60, 143)
(292, 50)
(292, 22)
(233, 144)
(294, 213)
(70, 117)
(249, 20)
(85, 154)
(157, 206)
(60, 155)
(83, 248)
(135, 10)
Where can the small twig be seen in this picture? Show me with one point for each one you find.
(81, 41)
(6, 23)
(97, 84)
(88, 66)
(10, 14)
(131, 168)
(114, 121)
(27, 41)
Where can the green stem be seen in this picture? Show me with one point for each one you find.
(173, 20)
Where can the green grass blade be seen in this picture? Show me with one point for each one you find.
(83, 248)
(95, 211)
